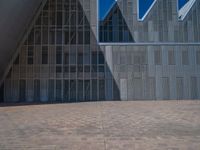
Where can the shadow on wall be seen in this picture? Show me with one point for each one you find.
(59, 70)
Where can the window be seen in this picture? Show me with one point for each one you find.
(112, 24)
(101, 58)
(66, 58)
(144, 7)
(59, 55)
(73, 90)
(80, 58)
(38, 36)
(59, 18)
(45, 36)
(94, 58)
(58, 90)
(58, 69)
(30, 55)
(59, 37)
(44, 55)
(73, 69)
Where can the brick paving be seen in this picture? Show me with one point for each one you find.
(146, 125)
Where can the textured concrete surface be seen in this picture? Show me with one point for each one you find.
(163, 125)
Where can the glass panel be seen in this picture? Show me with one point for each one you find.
(94, 90)
(144, 6)
(37, 90)
(87, 89)
(51, 90)
(58, 91)
(112, 23)
(44, 55)
(80, 90)
(66, 90)
(22, 90)
(73, 90)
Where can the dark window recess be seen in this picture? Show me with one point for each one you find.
(37, 90)
(66, 69)
(59, 55)
(73, 36)
(101, 58)
(44, 55)
(66, 58)
(30, 55)
(58, 69)
(58, 91)
(31, 38)
(22, 90)
(94, 68)
(101, 69)
(51, 90)
(72, 69)
(73, 57)
(73, 18)
(80, 90)
(59, 18)
(80, 69)
(66, 91)
(87, 90)
(86, 69)
(66, 37)
(101, 89)
(87, 37)
(94, 90)
(16, 62)
(38, 36)
(94, 58)
(59, 37)
(73, 90)
(80, 37)
(2, 93)
(80, 58)
(52, 37)
(45, 36)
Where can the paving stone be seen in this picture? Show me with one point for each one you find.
(134, 125)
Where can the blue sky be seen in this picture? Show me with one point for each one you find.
(182, 3)
(104, 6)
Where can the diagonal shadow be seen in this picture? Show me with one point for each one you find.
(83, 81)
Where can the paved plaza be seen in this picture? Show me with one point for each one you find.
(147, 125)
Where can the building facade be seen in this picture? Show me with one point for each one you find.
(69, 55)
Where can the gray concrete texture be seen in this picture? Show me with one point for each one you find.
(154, 125)
(131, 72)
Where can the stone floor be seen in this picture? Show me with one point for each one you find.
(154, 125)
